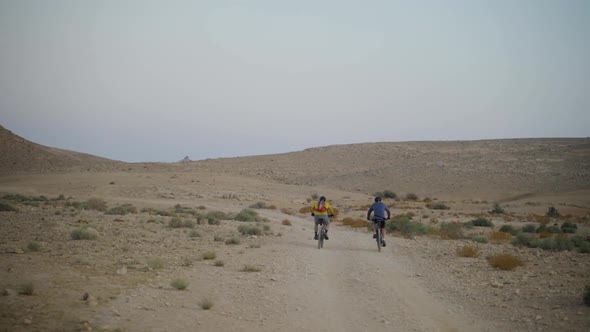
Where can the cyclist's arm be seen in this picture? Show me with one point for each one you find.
(329, 208)
(388, 213)
(369, 213)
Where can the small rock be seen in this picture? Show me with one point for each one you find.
(28, 321)
(85, 296)
(122, 271)
(14, 251)
(496, 284)
(538, 317)
(167, 304)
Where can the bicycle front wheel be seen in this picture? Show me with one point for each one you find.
(378, 239)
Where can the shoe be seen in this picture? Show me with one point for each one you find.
(326, 236)
(315, 237)
(383, 243)
(374, 235)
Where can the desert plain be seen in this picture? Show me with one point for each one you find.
(91, 244)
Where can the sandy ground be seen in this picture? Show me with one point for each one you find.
(413, 285)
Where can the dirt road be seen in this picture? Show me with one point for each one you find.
(347, 286)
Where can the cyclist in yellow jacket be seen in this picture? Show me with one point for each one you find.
(321, 210)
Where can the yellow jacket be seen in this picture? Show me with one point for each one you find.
(323, 210)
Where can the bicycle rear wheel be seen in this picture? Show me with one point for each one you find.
(378, 238)
(321, 237)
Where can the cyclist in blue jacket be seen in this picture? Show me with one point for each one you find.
(378, 209)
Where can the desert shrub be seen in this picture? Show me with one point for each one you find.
(156, 263)
(163, 213)
(286, 222)
(497, 209)
(266, 228)
(499, 237)
(315, 196)
(543, 228)
(559, 243)
(438, 206)
(208, 255)
(76, 205)
(468, 251)
(247, 215)
(217, 215)
(287, 211)
(96, 204)
(206, 304)
(451, 230)
(84, 233)
(180, 223)
(259, 205)
(482, 222)
(218, 238)
(194, 233)
(508, 229)
(179, 284)
(213, 221)
(411, 197)
(355, 223)
(530, 228)
(122, 209)
(219, 262)
(34, 246)
(250, 268)
(6, 207)
(552, 212)
(522, 240)
(480, 239)
(505, 262)
(249, 230)
(405, 227)
(202, 207)
(182, 209)
(587, 296)
(569, 227)
(187, 261)
(232, 241)
(26, 288)
(305, 210)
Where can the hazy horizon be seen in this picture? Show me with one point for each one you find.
(156, 81)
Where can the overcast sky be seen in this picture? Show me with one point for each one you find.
(159, 80)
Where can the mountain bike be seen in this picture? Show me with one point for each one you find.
(379, 236)
(321, 234)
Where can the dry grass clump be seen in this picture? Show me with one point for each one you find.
(355, 223)
(287, 211)
(411, 197)
(34, 246)
(438, 206)
(468, 251)
(305, 210)
(26, 288)
(84, 233)
(219, 262)
(179, 284)
(208, 255)
(286, 222)
(218, 238)
(249, 230)
(232, 241)
(450, 230)
(505, 262)
(156, 263)
(96, 204)
(500, 237)
(6, 207)
(122, 209)
(179, 223)
(206, 304)
(194, 234)
(250, 268)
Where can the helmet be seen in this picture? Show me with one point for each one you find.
(377, 199)
(323, 198)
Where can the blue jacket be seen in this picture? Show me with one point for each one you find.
(378, 209)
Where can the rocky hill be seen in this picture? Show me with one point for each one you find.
(18, 155)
